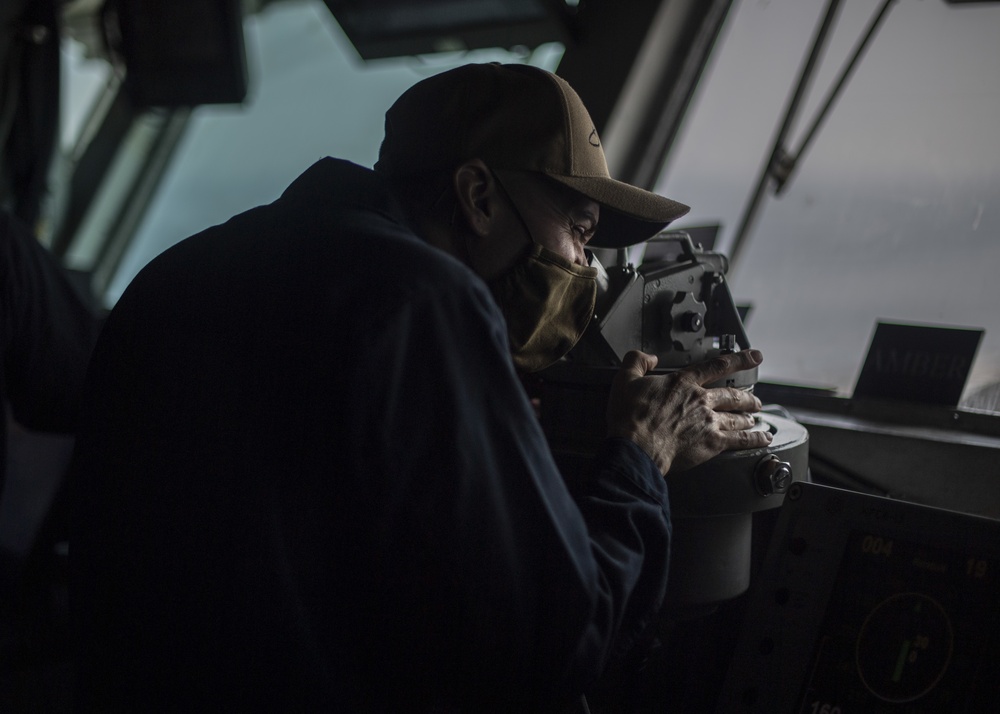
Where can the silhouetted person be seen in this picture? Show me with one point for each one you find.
(47, 331)
(309, 479)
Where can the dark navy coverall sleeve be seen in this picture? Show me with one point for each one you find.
(535, 584)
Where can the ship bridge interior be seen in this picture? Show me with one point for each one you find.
(842, 163)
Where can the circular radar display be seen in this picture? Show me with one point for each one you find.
(904, 647)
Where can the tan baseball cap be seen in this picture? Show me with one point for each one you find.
(515, 116)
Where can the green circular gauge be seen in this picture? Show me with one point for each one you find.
(904, 647)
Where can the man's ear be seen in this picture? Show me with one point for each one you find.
(476, 190)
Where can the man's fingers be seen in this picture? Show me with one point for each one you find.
(717, 368)
(737, 422)
(746, 439)
(637, 363)
(731, 399)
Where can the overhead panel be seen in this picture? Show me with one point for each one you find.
(399, 28)
(179, 53)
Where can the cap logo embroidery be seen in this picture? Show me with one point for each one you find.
(593, 138)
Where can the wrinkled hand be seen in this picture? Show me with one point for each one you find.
(675, 419)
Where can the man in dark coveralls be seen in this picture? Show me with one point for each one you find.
(47, 330)
(308, 478)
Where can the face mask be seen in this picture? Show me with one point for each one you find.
(548, 302)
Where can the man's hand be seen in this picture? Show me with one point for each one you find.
(675, 419)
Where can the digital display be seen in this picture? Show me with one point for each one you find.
(908, 628)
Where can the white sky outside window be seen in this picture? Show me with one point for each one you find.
(894, 213)
(310, 96)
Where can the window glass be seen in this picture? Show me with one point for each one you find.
(311, 96)
(894, 212)
(83, 81)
